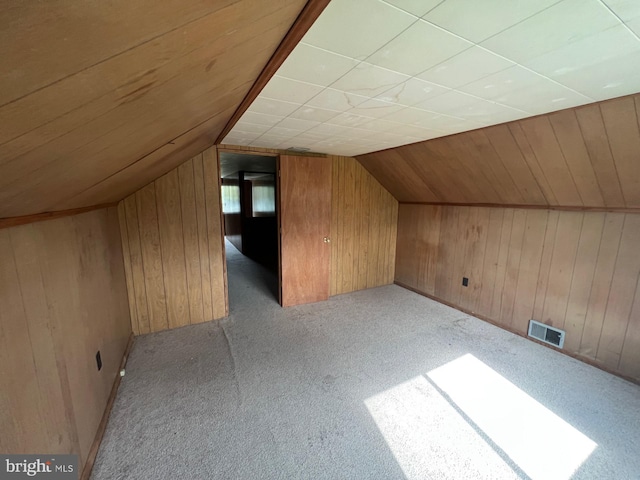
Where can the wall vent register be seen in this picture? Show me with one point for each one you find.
(546, 334)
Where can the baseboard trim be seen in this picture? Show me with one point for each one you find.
(95, 446)
(520, 334)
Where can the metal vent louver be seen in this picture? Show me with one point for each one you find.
(546, 334)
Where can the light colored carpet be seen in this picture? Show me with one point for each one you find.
(377, 384)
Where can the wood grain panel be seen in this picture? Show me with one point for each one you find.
(305, 221)
(215, 231)
(152, 258)
(621, 294)
(582, 280)
(191, 242)
(528, 269)
(62, 299)
(581, 157)
(575, 270)
(563, 258)
(123, 90)
(601, 285)
(172, 242)
(364, 225)
(179, 273)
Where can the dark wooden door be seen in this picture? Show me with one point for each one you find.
(305, 223)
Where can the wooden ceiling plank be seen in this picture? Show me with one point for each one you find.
(33, 35)
(152, 166)
(476, 164)
(545, 146)
(95, 140)
(621, 123)
(460, 187)
(500, 176)
(122, 78)
(401, 181)
(567, 131)
(514, 162)
(595, 137)
(523, 144)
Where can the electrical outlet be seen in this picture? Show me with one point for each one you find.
(465, 282)
(99, 360)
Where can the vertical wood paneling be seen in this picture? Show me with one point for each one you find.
(191, 243)
(562, 265)
(217, 264)
(137, 266)
(174, 238)
(578, 271)
(62, 298)
(364, 226)
(528, 269)
(490, 260)
(173, 250)
(427, 247)
(23, 418)
(59, 425)
(601, 285)
(513, 266)
(152, 257)
(582, 279)
(630, 360)
(133, 311)
(203, 237)
(621, 294)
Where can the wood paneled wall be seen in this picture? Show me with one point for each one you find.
(363, 224)
(585, 157)
(363, 229)
(62, 298)
(173, 248)
(577, 271)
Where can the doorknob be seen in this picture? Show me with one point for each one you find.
(326, 240)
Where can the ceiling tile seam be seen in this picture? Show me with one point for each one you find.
(457, 89)
(620, 19)
(406, 11)
(449, 89)
(524, 19)
(360, 62)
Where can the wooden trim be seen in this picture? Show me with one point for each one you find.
(566, 208)
(493, 322)
(268, 152)
(93, 452)
(40, 217)
(222, 239)
(244, 151)
(307, 17)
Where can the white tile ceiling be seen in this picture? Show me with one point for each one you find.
(374, 74)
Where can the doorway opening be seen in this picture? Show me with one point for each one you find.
(249, 208)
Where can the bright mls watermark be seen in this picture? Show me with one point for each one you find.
(50, 467)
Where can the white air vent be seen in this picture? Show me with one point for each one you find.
(546, 334)
(298, 149)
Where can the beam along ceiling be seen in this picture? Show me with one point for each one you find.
(373, 74)
(98, 99)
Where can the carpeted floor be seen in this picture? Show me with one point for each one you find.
(378, 384)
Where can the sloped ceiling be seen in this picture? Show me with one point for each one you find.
(98, 99)
(374, 74)
(586, 156)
